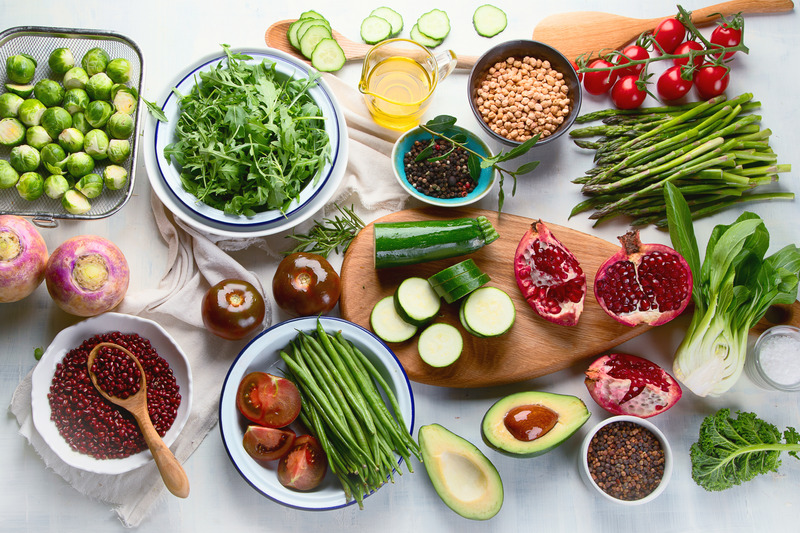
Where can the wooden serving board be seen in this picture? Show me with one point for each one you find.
(534, 347)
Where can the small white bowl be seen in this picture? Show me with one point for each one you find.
(71, 338)
(764, 372)
(584, 464)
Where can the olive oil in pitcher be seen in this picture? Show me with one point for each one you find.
(400, 87)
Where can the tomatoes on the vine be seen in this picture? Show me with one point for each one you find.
(711, 80)
(671, 86)
(576, 68)
(726, 36)
(626, 94)
(306, 284)
(632, 52)
(669, 34)
(686, 47)
(599, 82)
(232, 309)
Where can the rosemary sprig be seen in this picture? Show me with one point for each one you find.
(329, 235)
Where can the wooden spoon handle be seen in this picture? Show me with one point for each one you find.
(706, 16)
(171, 470)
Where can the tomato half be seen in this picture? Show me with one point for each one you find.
(267, 444)
(726, 36)
(232, 309)
(671, 86)
(632, 52)
(268, 400)
(304, 467)
(669, 34)
(711, 80)
(601, 81)
(626, 94)
(684, 48)
(306, 284)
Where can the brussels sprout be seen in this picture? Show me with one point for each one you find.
(80, 123)
(48, 92)
(76, 203)
(31, 111)
(75, 78)
(119, 70)
(98, 112)
(99, 87)
(90, 185)
(95, 143)
(75, 100)
(55, 185)
(9, 105)
(20, 68)
(55, 120)
(125, 100)
(30, 185)
(54, 158)
(61, 60)
(115, 177)
(12, 132)
(8, 176)
(38, 137)
(23, 91)
(120, 125)
(118, 150)
(95, 61)
(71, 140)
(25, 158)
(79, 164)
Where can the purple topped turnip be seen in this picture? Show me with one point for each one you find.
(23, 256)
(87, 275)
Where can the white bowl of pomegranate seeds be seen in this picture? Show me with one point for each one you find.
(84, 430)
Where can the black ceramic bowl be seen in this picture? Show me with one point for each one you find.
(519, 49)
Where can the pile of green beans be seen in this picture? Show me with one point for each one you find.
(714, 151)
(343, 408)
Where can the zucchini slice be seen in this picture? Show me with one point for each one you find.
(451, 285)
(387, 324)
(391, 16)
(466, 288)
(375, 29)
(312, 37)
(489, 20)
(435, 24)
(488, 311)
(423, 39)
(440, 344)
(467, 266)
(328, 56)
(416, 302)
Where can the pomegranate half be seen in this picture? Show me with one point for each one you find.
(643, 283)
(549, 276)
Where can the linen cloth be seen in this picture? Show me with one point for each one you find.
(195, 262)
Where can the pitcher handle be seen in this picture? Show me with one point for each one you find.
(446, 62)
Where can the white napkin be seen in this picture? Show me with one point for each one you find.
(195, 262)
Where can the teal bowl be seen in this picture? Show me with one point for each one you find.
(406, 142)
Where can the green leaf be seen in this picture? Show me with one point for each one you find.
(681, 232)
(527, 167)
(155, 111)
(441, 123)
(474, 166)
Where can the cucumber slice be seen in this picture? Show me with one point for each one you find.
(311, 14)
(311, 38)
(387, 324)
(435, 24)
(423, 39)
(440, 344)
(375, 29)
(391, 16)
(489, 20)
(298, 28)
(416, 302)
(488, 311)
(463, 267)
(328, 56)
(462, 290)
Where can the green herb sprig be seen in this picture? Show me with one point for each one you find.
(329, 235)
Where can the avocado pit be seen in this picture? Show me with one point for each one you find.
(529, 422)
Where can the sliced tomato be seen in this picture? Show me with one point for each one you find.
(304, 467)
(267, 444)
(268, 400)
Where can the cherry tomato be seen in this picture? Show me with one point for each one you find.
(267, 444)
(626, 94)
(669, 34)
(306, 284)
(711, 80)
(575, 68)
(304, 467)
(268, 400)
(599, 82)
(726, 36)
(684, 48)
(232, 309)
(671, 86)
(632, 52)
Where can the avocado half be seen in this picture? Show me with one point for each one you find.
(463, 477)
(572, 414)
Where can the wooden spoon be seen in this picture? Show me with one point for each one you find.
(582, 32)
(275, 37)
(171, 470)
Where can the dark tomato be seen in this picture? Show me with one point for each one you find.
(268, 400)
(725, 36)
(626, 94)
(671, 86)
(601, 81)
(684, 48)
(304, 467)
(669, 34)
(711, 80)
(267, 444)
(306, 284)
(232, 309)
(630, 53)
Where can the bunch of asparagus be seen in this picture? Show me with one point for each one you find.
(714, 151)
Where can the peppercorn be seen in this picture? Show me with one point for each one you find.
(448, 177)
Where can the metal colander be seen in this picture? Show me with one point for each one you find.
(39, 42)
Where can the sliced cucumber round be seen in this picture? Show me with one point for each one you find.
(311, 38)
(423, 39)
(435, 24)
(375, 29)
(440, 344)
(489, 20)
(391, 16)
(416, 302)
(328, 56)
(488, 312)
(387, 324)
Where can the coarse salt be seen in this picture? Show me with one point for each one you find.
(779, 356)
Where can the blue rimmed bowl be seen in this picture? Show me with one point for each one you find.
(406, 142)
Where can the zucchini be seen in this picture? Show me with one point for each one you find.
(387, 324)
(423, 39)
(410, 243)
(489, 20)
(435, 24)
(488, 312)
(452, 285)
(391, 16)
(311, 38)
(465, 288)
(467, 266)
(328, 56)
(416, 302)
(375, 29)
(440, 344)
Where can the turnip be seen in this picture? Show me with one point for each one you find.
(87, 275)
(23, 256)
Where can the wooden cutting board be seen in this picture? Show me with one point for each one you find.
(534, 346)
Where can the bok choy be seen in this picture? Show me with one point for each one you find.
(733, 288)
